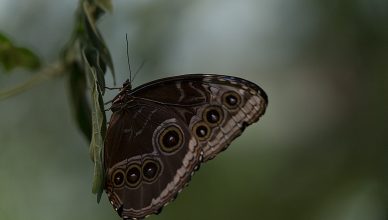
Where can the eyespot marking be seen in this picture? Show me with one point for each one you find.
(201, 130)
(171, 139)
(151, 170)
(118, 178)
(213, 115)
(133, 175)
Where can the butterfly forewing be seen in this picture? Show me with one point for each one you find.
(235, 102)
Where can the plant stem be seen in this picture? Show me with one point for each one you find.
(48, 72)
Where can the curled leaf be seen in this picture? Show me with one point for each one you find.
(98, 127)
(105, 4)
(89, 57)
(93, 38)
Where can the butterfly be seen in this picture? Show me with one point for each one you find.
(161, 132)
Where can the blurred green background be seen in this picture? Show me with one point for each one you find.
(320, 152)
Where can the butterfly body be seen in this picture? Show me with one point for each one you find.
(160, 133)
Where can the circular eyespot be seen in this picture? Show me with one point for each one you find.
(118, 178)
(231, 99)
(201, 130)
(213, 115)
(171, 139)
(133, 175)
(151, 170)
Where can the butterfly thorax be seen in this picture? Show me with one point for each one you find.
(123, 98)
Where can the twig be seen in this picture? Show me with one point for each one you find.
(51, 71)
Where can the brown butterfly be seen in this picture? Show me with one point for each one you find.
(160, 133)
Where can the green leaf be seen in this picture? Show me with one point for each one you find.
(93, 38)
(105, 4)
(98, 127)
(12, 56)
(80, 102)
(93, 57)
(89, 56)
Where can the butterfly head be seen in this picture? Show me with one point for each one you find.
(127, 86)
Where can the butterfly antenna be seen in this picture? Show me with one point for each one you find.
(138, 69)
(129, 65)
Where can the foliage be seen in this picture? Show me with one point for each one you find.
(85, 60)
(88, 57)
(12, 56)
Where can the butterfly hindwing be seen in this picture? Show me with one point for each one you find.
(150, 158)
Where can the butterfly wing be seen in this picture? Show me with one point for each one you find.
(216, 108)
(163, 130)
(149, 155)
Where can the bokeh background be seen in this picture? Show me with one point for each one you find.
(320, 152)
